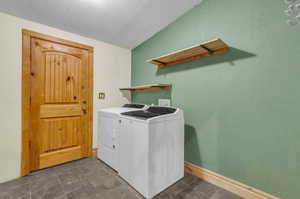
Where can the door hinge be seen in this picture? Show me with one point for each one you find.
(30, 100)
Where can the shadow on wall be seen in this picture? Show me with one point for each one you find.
(151, 97)
(232, 55)
(191, 145)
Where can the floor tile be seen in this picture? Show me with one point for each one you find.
(51, 191)
(90, 178)
(122, 192)
(222, 194)
(177, 188)
(16, 191)
(78, 194)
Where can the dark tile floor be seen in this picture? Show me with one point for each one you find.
(91, 179)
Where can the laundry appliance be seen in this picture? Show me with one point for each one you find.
(151, 150)
(109, 130)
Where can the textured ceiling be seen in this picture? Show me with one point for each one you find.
(125, 23)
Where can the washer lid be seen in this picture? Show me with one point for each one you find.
(161, 110)
(151, 112)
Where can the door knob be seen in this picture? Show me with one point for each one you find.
(84, 101)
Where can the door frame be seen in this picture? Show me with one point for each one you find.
(27, 35)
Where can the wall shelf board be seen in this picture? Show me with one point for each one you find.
(150, 87)
(209, 48)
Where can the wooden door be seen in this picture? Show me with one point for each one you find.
(60, 103)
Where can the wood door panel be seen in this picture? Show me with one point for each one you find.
(59, 157)
(62, 79)
(60, 110)
(60, 133)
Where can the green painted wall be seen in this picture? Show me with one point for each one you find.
(241, 108)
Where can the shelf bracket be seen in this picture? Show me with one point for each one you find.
(208, 50)
(160, 62)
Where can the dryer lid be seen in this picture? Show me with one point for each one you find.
(133, 105)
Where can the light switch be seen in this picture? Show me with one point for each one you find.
(164, 102)
(101, 95)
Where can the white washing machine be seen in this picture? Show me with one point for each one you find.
(151, 150)
(108, 132)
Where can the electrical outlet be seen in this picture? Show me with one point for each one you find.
(164, 102)
(101, 95)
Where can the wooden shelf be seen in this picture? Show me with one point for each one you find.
(150, 87)
(209, 48)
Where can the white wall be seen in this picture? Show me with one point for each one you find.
(111, 71)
